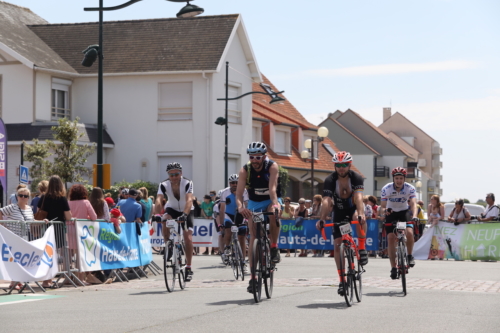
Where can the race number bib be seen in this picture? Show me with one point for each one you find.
(401, 225)
(345, 229)
(234, 228)
(171, 223)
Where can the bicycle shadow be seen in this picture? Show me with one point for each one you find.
(246, 301)
(388, 294)
(213, 267)
(339, 306)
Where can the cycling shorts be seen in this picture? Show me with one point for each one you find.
(340, 215)
(401, 216)
(188, 225)
(259, 206)
(242, 229)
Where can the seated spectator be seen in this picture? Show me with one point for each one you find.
(459, 214)
(491, 211)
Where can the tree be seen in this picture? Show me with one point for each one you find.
(38, 154)
(69, 157)
(466, 200)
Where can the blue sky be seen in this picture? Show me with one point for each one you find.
(435, 61)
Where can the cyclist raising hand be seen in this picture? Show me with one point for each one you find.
(343, 190)
(260, 177)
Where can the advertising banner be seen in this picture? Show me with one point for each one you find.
(204, 234)
(99, 247)
(3, 156)
(306, 236)
(462, 242)
(25, 261)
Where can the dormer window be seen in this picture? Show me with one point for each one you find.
(282, 141)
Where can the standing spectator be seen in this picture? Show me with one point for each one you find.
(287, 213)
(300, 215)
(207, 207)
(197, 207)
(491, 211)
(316, 207)
(435, 210)
(309, 208)
(99, 205)
(459, 214)
(124, 195)
(42, 188)
(54, 202)
(130, 208)
(147, 202)
(13, 197)
(372, 201)
(138, 199)
(213, 194)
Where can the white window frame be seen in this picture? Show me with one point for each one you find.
(288, 141)
(166, 113)
(257, 129)
(234, 107)
(60, 86)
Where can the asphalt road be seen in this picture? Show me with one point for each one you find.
(442, 296)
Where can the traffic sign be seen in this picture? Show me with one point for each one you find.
(23, 174)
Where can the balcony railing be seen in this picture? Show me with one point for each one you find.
(381, 171)
(413, 172)
(437, 151)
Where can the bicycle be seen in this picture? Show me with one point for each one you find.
(402, 264)
(262, 266)
(349, 258)
(174, 259)
(236, 258)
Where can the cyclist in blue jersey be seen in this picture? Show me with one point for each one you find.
(398, 200)
(229, 215)
(260, 177)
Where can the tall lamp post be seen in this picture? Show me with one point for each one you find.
(96, 51)
(309, 152)
(224, 120)
(418, 185)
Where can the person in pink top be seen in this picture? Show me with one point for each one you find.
(81, 209)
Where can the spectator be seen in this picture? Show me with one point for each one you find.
(130, 208)
(13, 196)
(110, 202)
(138, 199)
(300, 214)
(287, 213)
(42, 188)
(372, 201)
(309, 208)
(147, 202)
(213, 194)
(54, 201)
(197, 207)
(435, 210)
(207, 207)
(491, 213)
(99, 205)
(124, 195)
(459, 214)
(368, 207)
(316, 207)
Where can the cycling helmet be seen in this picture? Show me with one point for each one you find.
(256, 148)
(233, 178)
(220, 193)
(174, 166)
(399, 171)
(342, 157)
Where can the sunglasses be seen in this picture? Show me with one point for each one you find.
(302, 203)
(287, 200)
(212, 195)
(233, 183)
(341, 165)
(23, 195)
(258, 158)
(174, 174)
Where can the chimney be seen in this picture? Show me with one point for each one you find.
(387, 114)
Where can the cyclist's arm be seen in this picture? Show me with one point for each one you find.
(414, 210)
(273, 183)
(222, 212)
(326, 208)
(189, 203)
(360, 206)
(242, 181)
(382, 208)
(158, 203)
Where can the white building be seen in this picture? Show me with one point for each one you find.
(162, 78)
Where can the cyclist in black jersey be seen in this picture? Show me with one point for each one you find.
(343, 191)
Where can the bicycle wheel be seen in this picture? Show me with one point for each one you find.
(169, 266)
(234, 261)
(346, 261)
(269, 270)
(181, 262)
(402, 266)
(358, 286)
(257, 270)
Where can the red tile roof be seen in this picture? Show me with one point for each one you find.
(286, 113)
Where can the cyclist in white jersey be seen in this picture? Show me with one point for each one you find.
(398, 199)
(179, 194)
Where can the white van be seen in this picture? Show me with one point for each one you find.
(472, 208)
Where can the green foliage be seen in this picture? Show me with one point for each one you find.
(283, 180)
(481, 202)
(69, 158)
(37, 153)
(466, 201)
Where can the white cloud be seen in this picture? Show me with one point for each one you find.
(390, 69)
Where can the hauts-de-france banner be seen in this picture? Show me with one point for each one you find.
(25, 261)
(100, 247)
(462, 242)
(306, 236)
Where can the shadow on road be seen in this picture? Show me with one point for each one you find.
(213, 267)
(150, 293)
(388, 294)
(340, 306)
(247, 301)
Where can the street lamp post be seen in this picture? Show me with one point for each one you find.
(224, 121)
(94, 51)
(418, 185)
(309, 145)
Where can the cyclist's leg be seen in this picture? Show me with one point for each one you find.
(273, 228)
(227, 232)
(164, 230)
(361, 233)
(410, 240)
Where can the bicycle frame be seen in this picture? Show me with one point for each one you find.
(177, 237)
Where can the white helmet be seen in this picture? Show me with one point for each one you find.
(233, 178)
(256, 148)
(174, 166)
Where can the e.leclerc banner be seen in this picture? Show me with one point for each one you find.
(25, 261)
(204, 234)
(306, 236)
(462, 242)
(3, 156)
(101, 248)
